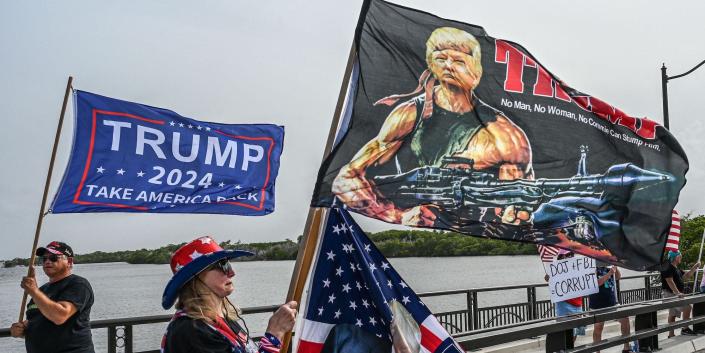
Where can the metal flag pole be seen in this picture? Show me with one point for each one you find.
(700, 256)
(40, 217)
(316, 215)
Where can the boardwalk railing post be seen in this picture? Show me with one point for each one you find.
(531, 296)
(699, 310)
(647, 288)
(559, 341)
(475, 311)
(112, 339)
(468, 312)
(646, 321)
(128, 339)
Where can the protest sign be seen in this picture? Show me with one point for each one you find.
(571, 278)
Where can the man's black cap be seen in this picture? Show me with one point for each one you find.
(55, 247)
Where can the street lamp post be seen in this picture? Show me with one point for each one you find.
(664, 88)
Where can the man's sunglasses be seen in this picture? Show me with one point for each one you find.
(52, 257)
(224, 266)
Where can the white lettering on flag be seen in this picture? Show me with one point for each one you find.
(115, 146)
(141, 141)
(221, 156)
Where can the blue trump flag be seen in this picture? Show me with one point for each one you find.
(130, 157)
(359, 303)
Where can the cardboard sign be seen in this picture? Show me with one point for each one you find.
(571, 278)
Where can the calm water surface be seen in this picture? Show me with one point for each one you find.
(123, 290)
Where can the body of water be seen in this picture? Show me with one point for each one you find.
(123, 290)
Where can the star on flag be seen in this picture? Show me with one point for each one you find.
(331, 255)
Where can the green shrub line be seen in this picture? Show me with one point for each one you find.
(392, 243)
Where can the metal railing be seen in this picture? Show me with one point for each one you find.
(120, 331)
(474, 317)
(559, 331)
(468, 318)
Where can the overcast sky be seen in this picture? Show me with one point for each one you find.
(282, 62)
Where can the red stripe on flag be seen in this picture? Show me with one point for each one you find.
(674, 233)
(547, 252)
(429, 340)
(309, 347)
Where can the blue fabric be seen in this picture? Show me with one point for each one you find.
(130, 157)
(607, 295)
(564, 309)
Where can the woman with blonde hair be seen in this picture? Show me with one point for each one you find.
(206, 321)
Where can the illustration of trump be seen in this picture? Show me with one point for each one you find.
(441, 124)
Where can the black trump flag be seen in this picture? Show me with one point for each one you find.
(449, 128)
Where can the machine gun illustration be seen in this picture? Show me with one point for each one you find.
(468, 189)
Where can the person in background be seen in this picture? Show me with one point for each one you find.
(672, 285)
(606, 297)
(58, 315)
(570, 306)
(206, 321)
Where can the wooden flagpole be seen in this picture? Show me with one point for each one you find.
(316, 215)
(40, 217)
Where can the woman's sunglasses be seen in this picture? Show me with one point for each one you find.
(224, 266)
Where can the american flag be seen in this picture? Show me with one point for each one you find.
(355, 289)
(674, 234)
(547, 253)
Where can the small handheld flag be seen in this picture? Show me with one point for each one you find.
(547, 253)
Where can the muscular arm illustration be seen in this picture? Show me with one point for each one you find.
(351, 185)
(503, 145)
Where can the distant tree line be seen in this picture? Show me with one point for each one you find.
(281, 250)
(392, 243)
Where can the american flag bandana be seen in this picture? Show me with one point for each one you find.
(354, 287)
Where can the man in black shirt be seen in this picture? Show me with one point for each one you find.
(58, 315)
(672, 285)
